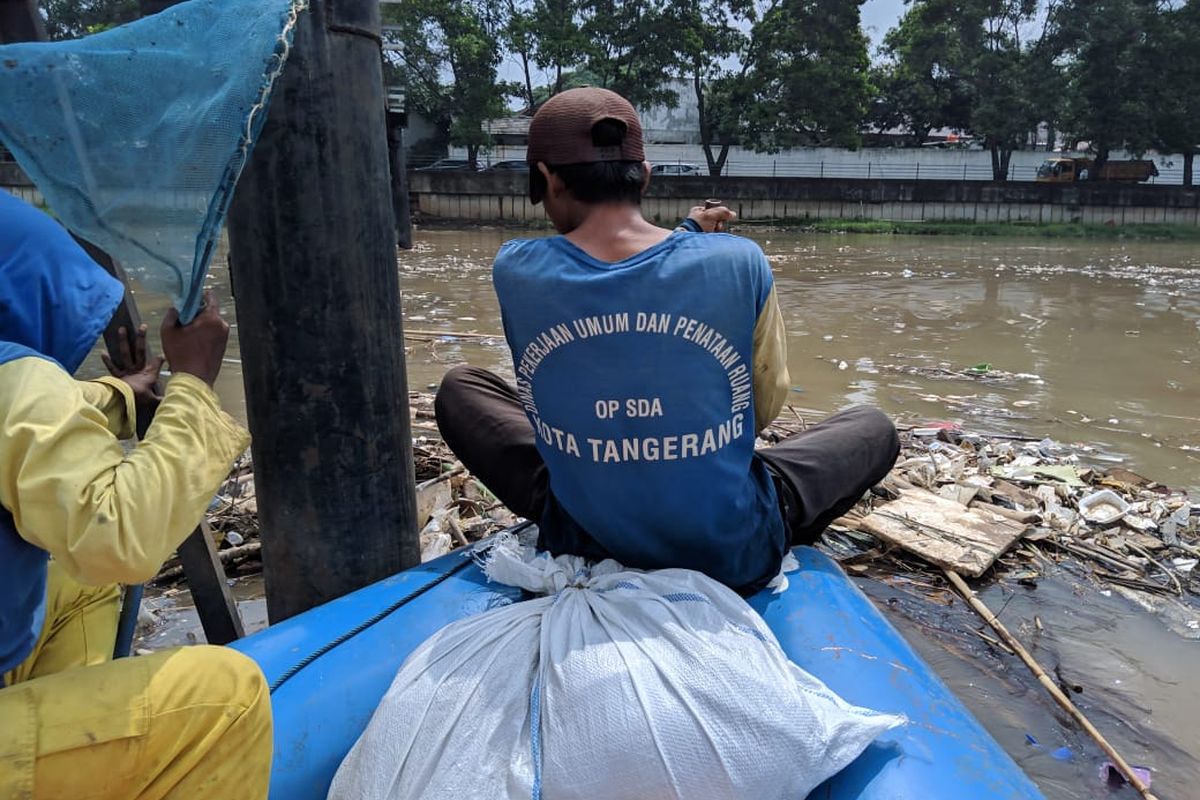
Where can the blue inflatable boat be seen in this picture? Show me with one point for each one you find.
(329, 667)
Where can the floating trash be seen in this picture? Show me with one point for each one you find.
(1185, 565)
(866, 365)
(983, 373)
(1059, 754)
(1110, 774)
(1103, 508)
(1144, 543)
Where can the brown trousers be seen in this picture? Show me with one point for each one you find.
(819, 473)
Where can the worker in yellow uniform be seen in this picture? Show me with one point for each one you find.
(79, 515)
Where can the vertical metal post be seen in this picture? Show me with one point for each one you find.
(313, 263)
(399, 170)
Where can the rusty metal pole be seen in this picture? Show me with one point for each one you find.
(315, 279)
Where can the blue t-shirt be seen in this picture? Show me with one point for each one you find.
(637, 377)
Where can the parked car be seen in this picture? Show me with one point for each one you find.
(445, 165)
(509, 166)
(677, 169)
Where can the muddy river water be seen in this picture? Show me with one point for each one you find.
(1106, 339)
(1108, 333)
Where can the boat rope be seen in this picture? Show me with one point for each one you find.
(467, 560)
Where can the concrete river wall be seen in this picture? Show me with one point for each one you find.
(502, 197)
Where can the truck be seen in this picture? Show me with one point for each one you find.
(1068, 169)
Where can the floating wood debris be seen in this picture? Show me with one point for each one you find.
(983, 373)
(1147, 546)
(943, 532)
(955, 498)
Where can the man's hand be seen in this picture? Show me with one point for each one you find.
(198, 347)
(140, 372)
(714, 219)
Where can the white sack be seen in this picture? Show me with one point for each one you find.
(617, 685)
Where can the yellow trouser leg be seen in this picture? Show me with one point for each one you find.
(190, 723)
(80, 627)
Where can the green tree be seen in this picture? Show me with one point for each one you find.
(806, 79)
(455, 39)
(70, 19)
(1004, 73)
(558, 39)
(1109, 49)
(631, 46)
(707, 34)
(545, 34)
(1177, 105)
(968, 65)
(890, 109)
(921, 81)
(519, 37)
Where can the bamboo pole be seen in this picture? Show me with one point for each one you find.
(1049, 684)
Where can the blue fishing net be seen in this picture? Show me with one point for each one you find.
(136, 136)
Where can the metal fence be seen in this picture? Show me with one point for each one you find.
(788, 168)
(1170, 171)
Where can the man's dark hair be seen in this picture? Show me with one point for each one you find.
(601, 181)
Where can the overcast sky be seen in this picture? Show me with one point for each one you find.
(878, 16)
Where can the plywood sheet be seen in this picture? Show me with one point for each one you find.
(943, 532)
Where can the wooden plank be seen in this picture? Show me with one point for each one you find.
(210, 591)
(1024, 517)
(1015, 494)
(943, 532)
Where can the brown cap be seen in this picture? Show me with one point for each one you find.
(561, 131)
